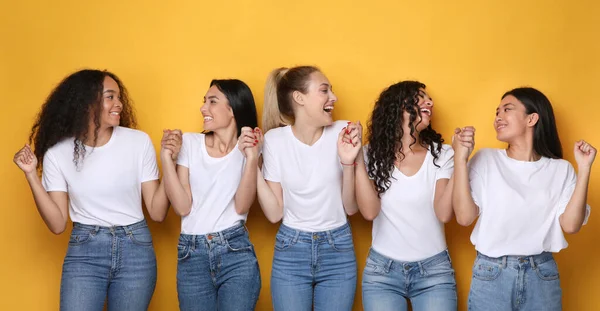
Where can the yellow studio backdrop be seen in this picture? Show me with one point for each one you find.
(467, 52)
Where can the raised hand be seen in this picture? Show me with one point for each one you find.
(250, 142)
(26, 160)
(463, 142)
(170, 145)
(584, 154)
(349, 143)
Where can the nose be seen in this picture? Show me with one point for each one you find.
(203, 108)
(429, 103)
(333, 98)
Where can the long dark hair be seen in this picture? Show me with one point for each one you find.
(69, 108)
(385, 131)
(240, 100)
(545, 135)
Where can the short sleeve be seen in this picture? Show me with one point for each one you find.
(567, 193)
(446, 163)
(183, 158)
(270, 167)
(476, 171)
(149, 167)
(52, 177)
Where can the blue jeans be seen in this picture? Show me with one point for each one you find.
(117, 263)
(515, 283)
(313, 268)
(429, 284)
(217, 271)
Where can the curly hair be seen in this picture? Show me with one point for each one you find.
(69, 109)
(385, 132)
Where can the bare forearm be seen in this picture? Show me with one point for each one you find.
(52, 214)
(572, 219)
(246, 192)
(175, 191)
(442, 205)
(270, 205)
(462, 202)
(348, 193)
(160, 203)
(367, 199)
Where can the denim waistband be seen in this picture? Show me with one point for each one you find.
(299, 235)
(112, 229)
(217, 237)
(428, 262)
(534, 260)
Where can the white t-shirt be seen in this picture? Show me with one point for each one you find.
(519, 203)
(106, 191)
(311, 177)
(407, 228)
(213, 183)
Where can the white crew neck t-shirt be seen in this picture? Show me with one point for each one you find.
(213, 183)
(311, 177)
(107, 189)
(519, 203)
(407, 228)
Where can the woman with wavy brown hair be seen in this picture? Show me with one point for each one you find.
(96, 169)
(404, 186)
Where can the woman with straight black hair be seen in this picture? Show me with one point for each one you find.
(525, 197)
(210, 179)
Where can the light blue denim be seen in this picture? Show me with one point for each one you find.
(313, 269)
(515, 283)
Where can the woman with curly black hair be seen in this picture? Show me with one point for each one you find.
(96, 169)
(404, 185)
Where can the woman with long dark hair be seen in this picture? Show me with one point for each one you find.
(404, 186)
(96, 169)
(210, 178)
(524, 197)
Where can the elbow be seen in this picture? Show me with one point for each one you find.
(464, 220)
(571, 229)
(184, 212)
(158, 218)
(58, 229)
(275, 218)
(445, 218)
(242, 210)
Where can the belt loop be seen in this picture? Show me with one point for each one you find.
(388, 265)
(504, 262)
(221, 237)
(329, 237)
(421, 270)
(296, 236)
(193, 242)
(532, 261)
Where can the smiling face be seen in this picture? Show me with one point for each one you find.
(512, 120)
(424, 107)
(216, 110)
(111, 104)
(319, 99)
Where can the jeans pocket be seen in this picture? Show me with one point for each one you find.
(375, 267)
(485, 270)
(183, 249)
(80, 237)
(547, 271)
(440, 269)
(343, 243)
(239, 243)
(283, 242)
(140, 236)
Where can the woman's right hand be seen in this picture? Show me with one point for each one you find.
(463, 143)
(26, 160)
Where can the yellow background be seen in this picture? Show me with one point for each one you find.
(468, 53)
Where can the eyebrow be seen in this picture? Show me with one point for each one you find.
(211, 97)
(109, 91)
(326, 84)
(507, 104)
